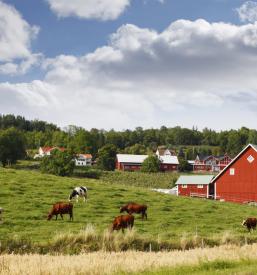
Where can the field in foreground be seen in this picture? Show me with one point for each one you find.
(217, 260)
(173, 222)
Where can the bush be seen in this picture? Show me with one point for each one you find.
(58, 163)
(151, 164)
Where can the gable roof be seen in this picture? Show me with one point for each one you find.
(203, 179)
(234, 160)
(126, 158)
(86, 156)
(48, 148)
(169, 159)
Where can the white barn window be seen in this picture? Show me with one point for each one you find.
(232, 171)
(199, 185)
(250, 159)
(184, 185)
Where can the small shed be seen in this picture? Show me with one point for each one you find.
(194, 186)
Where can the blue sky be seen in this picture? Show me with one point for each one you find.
(130, 63)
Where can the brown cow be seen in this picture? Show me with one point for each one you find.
(132, 207)
(122, 222)
(61, 208)
(250, 223)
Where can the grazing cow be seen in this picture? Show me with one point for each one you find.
(132, 207)
(61, 208)
(250, 223)
(122, 222)
(79, 192)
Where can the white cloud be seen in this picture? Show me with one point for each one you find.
(248, 11)
(89, 9)
(15, 41)
(192, 73)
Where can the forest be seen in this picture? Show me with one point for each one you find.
(186, 142)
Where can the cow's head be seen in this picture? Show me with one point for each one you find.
(244, 223)
(122, 209)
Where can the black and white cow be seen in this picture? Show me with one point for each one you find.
(79, 192)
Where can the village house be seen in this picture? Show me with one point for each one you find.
(163, 151)
(46, 151)
(83, 160)
(126, 162)
(210, 163)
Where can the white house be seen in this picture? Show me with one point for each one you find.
(83, 160)
(46, 151)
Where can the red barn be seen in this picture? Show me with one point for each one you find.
(126, 162)
(238, 181)
(194, 186)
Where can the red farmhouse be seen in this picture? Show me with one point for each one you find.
(211, 163)
(127, 162)
(194, 186)
(238, 181)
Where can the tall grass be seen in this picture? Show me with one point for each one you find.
(197, 261)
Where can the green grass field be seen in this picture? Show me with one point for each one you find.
(27, 196)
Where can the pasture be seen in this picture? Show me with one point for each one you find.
(27, 196)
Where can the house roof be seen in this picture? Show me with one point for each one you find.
(234, 160)
(126, 158)
(48, 148)
(203, 179)
(169, 159)
(87, 156)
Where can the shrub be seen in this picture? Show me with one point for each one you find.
(151, 164)
(58, 163)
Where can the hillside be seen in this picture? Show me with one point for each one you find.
(27, 197)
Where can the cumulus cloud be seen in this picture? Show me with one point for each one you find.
(16, 36)
(188, 74)
(89, 9)
(248, 11)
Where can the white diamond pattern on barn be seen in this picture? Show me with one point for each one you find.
(250, 158)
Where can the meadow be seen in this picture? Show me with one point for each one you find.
(173, 222)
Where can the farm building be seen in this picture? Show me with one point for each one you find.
(163, 151)
(127, 162)
(210, 163)
(238, 181)
(83, 160)
(194, 186)
(46, 151)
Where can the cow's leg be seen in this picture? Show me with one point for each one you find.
(85, 198)
(56, 217)
(145, 215)
(77, 198)
(61, 216)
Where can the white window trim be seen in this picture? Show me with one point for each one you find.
(232, 171)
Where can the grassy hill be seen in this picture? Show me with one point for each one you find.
(27, 196)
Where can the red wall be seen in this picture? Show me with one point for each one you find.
(241, 187)
(136, 167)
(192, 188)
(169, 167)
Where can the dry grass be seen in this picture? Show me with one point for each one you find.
(110, 263)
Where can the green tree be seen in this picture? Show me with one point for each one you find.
(151, 164)
(184, 165)
(107, 157)
(58, 163)
(12, 146)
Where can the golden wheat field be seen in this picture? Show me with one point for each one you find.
(122, 262)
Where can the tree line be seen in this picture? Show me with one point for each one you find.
(186, 142)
